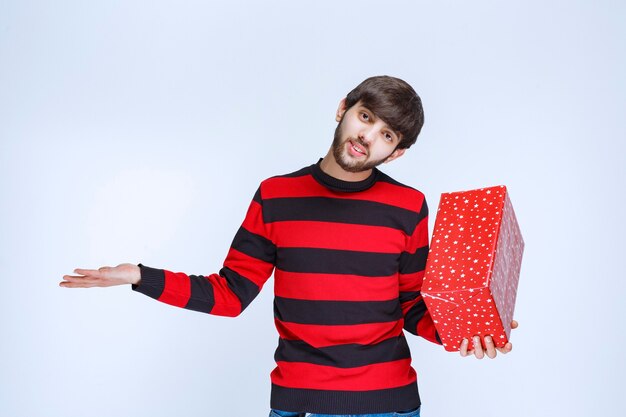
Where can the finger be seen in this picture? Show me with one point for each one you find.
(478, 348)
(506, 349)
(71, 278)
(463, 349)
(514, 324)
(79, 282)
(490, 347)
(79, 278)
(94, 272)
(85, 281)
(76, 284)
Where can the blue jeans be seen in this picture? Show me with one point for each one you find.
(278, 413)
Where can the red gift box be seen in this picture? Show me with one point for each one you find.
(473, 266)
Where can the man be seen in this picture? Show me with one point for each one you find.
(348, 246)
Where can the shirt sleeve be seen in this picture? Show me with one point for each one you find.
(249, 263)
(417, 319)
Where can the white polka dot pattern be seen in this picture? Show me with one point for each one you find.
(473, 266)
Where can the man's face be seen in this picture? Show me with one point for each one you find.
(363, 141)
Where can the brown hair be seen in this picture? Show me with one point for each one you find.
(395, 102)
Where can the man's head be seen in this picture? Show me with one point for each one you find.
(395, 102)
(378, 120)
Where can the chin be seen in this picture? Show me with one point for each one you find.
(352, 167)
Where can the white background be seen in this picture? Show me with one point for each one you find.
(138, 131)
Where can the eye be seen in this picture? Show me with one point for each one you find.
(388, 137)
(365, 116)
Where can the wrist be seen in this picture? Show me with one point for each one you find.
(135, 275)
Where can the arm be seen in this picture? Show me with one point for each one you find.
(248, 265)
(417, 319)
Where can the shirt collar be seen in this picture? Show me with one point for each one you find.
(336, 184)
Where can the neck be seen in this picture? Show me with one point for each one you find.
(332, 168)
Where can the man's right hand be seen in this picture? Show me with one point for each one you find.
(105, 276)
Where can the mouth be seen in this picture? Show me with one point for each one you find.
(356, 149)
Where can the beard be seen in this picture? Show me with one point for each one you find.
(345, 161)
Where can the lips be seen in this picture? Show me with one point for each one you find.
(356, 149)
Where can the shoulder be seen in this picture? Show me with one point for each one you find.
(411, 197)
(283, 183)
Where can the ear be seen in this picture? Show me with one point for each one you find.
(395, 155)
(341, 109)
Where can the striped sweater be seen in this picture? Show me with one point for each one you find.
(348, 261)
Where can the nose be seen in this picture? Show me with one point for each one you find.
(367, 134)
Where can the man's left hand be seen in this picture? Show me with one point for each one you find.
(490, 349)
